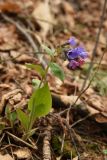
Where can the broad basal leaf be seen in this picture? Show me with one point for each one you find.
(24, 118)
(57, 71)
(40, 102)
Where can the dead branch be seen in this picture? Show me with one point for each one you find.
(46, 144)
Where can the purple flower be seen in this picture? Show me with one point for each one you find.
(76, 56)
(77, 52)
(73, 64)
(72, 41)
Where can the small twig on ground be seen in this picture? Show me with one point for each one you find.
(2, 137)
(20, 140)
(36, 157)
(80, 120)
(7, 146)
(46, 144)
(10, 147)
(73, 140)
(96, 44)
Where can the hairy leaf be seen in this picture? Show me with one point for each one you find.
(40, 103)
(24, 118)
(48, 50)
(57, 71)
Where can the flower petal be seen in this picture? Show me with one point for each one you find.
(80, 61)
(77, 52)
(73, 64)
(72, 41)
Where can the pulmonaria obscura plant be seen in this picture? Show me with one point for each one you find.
(40, 102)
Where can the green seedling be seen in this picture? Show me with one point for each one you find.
(40, 102)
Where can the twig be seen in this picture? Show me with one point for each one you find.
(80, 120)
(7, 146)
(20, 140)
(36, 157)
(1, 139)
(72, 138)
(10, 147)
(46, 144)
(27, 35)
(96, 44)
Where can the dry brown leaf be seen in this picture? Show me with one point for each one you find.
(3, 85)
(6, 157)
(69, 16)
(92, 110)
(98, 106)
(89, 91)
(7, 96)
(102, 39)
(76, 158)
(105, 25)
(96, 102)
(100, 118)
(89, 46)
(8, 37)
(43, 17)
(10, 7)
(69, 99)
(23, 153)
(24, 58)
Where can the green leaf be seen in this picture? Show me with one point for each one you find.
(36, 83)
(57, 71)
(2, 127)
(23, 117)
(40, 102)
(11, 116)
(105, 151)
(36, 67)
(41, 97)
(7, 112)
(48, 50)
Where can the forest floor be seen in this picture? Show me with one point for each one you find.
(24, 26)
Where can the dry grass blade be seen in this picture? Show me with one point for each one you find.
(20, 140)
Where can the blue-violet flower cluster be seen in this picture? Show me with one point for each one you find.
(75, 56)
